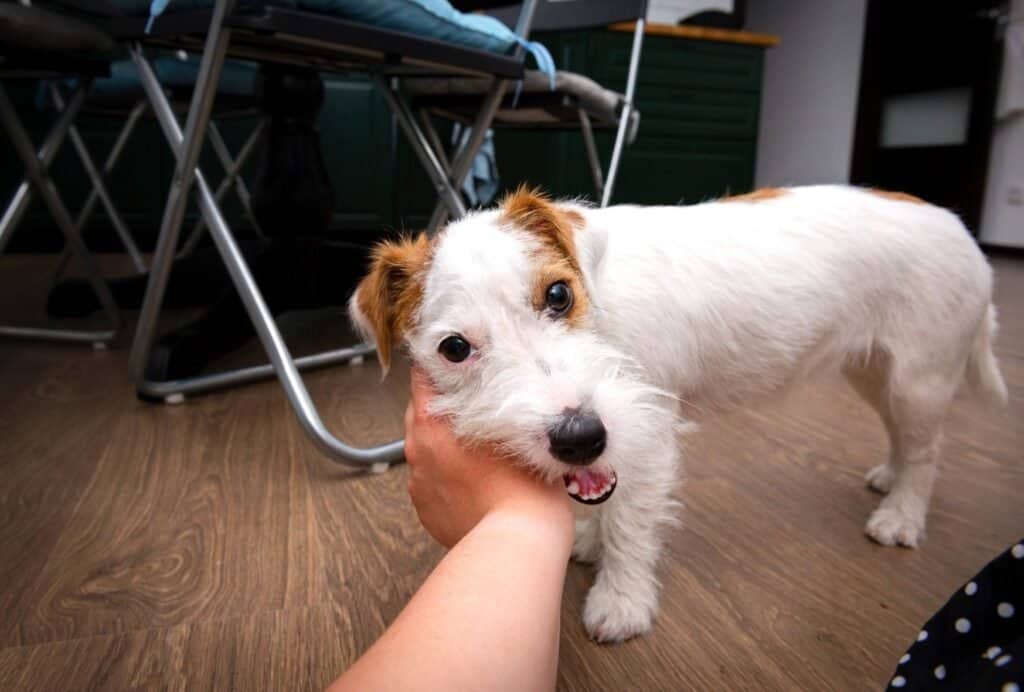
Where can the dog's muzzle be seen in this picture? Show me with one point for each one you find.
(578, 437)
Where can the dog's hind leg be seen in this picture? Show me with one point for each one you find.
(915, 402)
(870, 379)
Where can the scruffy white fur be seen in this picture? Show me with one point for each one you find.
(701, 308)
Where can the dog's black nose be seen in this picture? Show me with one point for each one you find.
(578, 437)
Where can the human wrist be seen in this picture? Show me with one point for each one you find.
(549, 520)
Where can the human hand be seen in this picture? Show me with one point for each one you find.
(453, 487)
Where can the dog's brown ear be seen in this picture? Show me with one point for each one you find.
(386, 300)
(553, 224)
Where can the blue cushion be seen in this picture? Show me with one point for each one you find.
(431, 18)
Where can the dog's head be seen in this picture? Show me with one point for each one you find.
(499, 310)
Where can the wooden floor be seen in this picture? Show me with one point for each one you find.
(209, 546)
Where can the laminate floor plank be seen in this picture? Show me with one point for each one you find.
(209, 546)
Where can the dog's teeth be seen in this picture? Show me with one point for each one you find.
(574, 488)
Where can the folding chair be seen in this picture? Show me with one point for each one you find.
(37, 44)
(270, 33)
(575, 102)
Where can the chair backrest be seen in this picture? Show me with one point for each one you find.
(564, 15)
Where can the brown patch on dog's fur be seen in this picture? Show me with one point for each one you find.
(557, 260)
(758, 195)
(898, 196)
(392, 292)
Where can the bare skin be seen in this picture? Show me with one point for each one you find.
(487, 617)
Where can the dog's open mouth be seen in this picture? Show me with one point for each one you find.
(589, 485)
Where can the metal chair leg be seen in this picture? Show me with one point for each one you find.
(592, 158)
(449, 195)
(47, 153)
(627, 112)
(286, 368)
(210, 65)
(435, 141)
(232, 179)
(233, 168)
(37, 170)
(113, 156)
(462, 162)
(100, 189)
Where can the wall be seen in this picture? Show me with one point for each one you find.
(1002, 221)
(811, 80)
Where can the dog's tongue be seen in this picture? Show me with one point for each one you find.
(590, 486)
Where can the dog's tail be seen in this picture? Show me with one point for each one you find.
(982, 369)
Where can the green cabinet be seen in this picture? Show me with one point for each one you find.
(698, 103)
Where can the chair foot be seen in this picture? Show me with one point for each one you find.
(99, 346)
(380, 467)
(175, 399)
(357, 360)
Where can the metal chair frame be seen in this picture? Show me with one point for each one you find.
(232, 181)
(604, 184)
(186, 143)
(38, 179)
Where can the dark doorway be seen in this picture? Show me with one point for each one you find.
(928, 83)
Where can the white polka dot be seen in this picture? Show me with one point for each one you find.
(1003, 660)
(1010, 687)
(963, 625)
(904, 658)
(971, 588)
(992, 652)
(1018, 551)
(922, 635)
(1005, 610)
(940, 672)
(898, 681)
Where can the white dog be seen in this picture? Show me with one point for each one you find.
(579, 339)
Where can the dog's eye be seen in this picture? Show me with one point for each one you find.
(454, 348)
(558, 298)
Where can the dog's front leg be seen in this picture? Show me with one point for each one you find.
(586, 548)
(623, 601)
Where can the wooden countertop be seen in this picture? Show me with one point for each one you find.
(703, 33)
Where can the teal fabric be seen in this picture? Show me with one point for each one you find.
(432, 18)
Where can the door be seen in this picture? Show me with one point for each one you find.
(928, 82)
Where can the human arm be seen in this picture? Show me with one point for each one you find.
(487, 618)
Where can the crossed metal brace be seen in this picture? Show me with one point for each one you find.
(232, 180)
(37, 178)
(186, 146)
(455, 171)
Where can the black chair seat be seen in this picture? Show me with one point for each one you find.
(35, 43)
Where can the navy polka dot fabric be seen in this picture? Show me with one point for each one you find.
(976, 641)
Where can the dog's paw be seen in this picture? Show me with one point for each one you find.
(586, 548)
(881, 478)
(895, 526)
(612, 616)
